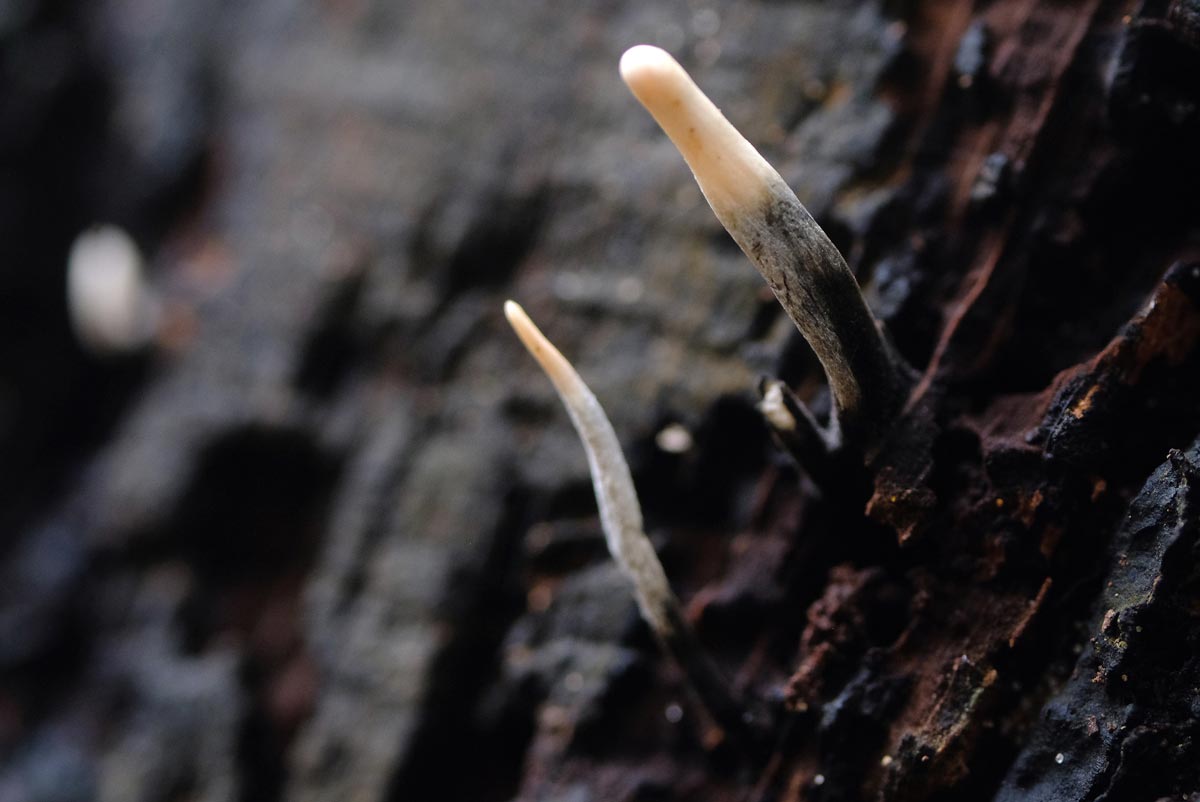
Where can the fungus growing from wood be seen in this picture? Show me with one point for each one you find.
(808, 275)
(804, 269)
(621, 519)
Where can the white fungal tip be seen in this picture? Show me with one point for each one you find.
(645, 67)
(513, 311)
(531, 336)
(775, 410)
(556, 366)
(111, 307)
(731, 173)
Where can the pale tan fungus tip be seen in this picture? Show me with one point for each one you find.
(775, 410)
(732, 174)
(556, 366)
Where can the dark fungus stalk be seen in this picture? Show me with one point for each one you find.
(802, 266)
(621, 518)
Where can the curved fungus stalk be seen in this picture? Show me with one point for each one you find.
(621, 519)
(804, 269)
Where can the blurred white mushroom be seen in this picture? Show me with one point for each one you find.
(674, 438)
(113, 310)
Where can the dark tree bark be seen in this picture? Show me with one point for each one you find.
(331, 536)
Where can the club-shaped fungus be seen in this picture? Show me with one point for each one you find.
(621, 519)
(804, 269)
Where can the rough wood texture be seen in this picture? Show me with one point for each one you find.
(333, 539)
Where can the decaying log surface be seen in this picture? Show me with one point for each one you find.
(331, 538)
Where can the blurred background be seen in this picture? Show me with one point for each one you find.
(270, 465)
